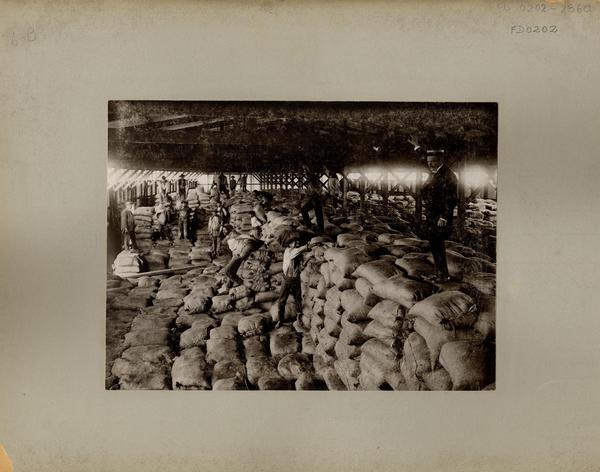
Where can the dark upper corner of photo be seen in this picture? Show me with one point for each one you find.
(278, 136)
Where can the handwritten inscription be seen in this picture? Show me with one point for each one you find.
(564, 8)
(530, 29)
(27, 35)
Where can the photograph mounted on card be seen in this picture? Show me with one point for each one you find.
(301, 245)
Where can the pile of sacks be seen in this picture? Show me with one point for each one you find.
(143, 224)
(373, 318)
(481, 214)
(240, 214)
(406, 202)
(146, 353)
(192, 198)
(156, 258)
(369, 319)
(127, 263)
(201, 251)
(179, 254)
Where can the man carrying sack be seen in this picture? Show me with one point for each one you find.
(242, 246)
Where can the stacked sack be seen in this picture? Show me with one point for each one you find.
(146, 354)
(452, 346)
(357, 308)
(143, 225)
(179, 256)
(369, 319)
(156, 259)
(209, 349)
(256, 274)
(333, 312)
(118, 322)
(127, 263)
(240, 215)
(203, 197)
(146, 360)
(201, 251)
(192, 198)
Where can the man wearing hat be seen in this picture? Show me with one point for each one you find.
(313, 201)
(292, 266)
(163, 190)
(222, 182)
(181, 187)
(215, 230)
(128, 226)
(243, 182)
(241, 246)
(440, 196)
(160, 218)
(184, 220)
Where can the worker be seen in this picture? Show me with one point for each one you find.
(128, 226)
(215, 230)
(260, 208)
(232, 184)
(243, 182)
(440, 197)
(181, 187)
(193, 223)
(242, 246)
(224, 212)
(183, 220)
(222, 181)
(214, 193)
(160, 224)
(292, 266)
(256, 225)
(313, 201)
(163, 190)
(362, 189)
(333, 187)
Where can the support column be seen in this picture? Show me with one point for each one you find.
(418, 200)
(363, 183)
(385, 189)
(462, 187)
(344, 189)
(486, 186)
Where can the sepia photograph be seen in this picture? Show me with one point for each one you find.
(269, 197)
(301, 245)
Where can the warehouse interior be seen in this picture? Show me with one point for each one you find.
(370, 317)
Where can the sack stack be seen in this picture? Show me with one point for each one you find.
(143, 226)
(369, 318)
(127, 263)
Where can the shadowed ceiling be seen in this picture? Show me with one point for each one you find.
(206, 136)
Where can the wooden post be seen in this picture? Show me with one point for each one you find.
(362, 189)
(344, 189)
(486, 187)
(462, 187)
(385, 188)
(418, 200)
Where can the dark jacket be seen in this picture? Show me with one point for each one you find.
(440, 196)
(127, 221)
